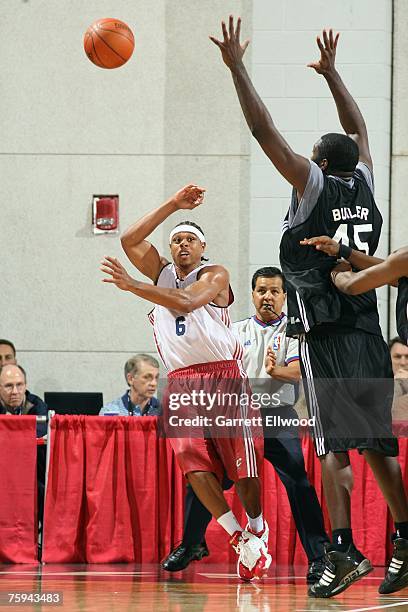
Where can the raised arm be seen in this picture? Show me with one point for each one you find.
(293, 167)
(142, 253)
(350, 116)
(213, 285)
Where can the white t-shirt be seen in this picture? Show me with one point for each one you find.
(201, 336)
(255, 337)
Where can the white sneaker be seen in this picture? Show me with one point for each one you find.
(262, 535)
(254, 559)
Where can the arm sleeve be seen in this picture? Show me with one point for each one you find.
(367, 175)
(313, 189)
(292, 353)
(113, 406)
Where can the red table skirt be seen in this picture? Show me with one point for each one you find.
(115, 494)
(18, 489)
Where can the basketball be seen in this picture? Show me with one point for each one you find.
(109, 43)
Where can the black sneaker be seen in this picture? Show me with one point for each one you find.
(396, 577)
(315, 570)
(340, 571)
(181, 557)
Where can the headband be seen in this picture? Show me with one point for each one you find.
(187, 228)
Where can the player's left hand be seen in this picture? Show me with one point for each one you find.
(327, 48)
(323, 243)
(117, 273)
(189, 197)
(231, 49)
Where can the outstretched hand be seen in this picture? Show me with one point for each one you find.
(323, 243)
(328, 48)
(117, 274)
(231, 49)
(189, 197)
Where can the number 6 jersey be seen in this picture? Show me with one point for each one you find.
(341, 209)
(201, 336)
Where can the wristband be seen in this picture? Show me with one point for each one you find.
(345, 251)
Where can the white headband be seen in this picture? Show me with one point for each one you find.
(187, 228)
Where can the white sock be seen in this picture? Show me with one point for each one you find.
(256, 524)
(229, 522)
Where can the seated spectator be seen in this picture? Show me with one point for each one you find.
(15, 399)
(8, 356)
(7, 352)
(142, 375)
(399, 358)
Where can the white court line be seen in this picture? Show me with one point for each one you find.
(264, 578)
(218, 575)
(393, 605)
(45, 574)
(375, 578)
(22, 573)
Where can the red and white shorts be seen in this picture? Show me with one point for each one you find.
(210, 422)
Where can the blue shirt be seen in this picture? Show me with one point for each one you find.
(124, 407)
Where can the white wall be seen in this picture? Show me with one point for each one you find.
(284, 36)
(170, 116)
(399, 182)
(69, 130)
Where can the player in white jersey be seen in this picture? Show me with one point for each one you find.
(202, 335)
(194, 339)
(271, 360)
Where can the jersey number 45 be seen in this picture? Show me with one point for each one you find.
(350, 235)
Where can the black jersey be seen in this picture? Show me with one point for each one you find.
(346, 211)
(402, 309)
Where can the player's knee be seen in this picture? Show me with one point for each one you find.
(199, 477)
(347, 480)
(337, 470)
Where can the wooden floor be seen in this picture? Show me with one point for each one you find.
(201, 588)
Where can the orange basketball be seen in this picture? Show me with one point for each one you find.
(109, 43)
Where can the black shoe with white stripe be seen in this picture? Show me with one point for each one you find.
(341, 570)
(179, 558)
(396, 577)
(315, 570)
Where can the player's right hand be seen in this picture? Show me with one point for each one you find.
(231, 49)
(116, 273)
(189, 197)
(323, 243)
